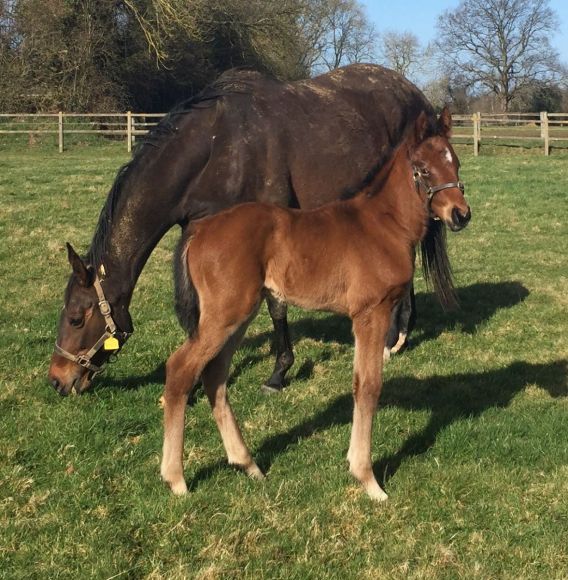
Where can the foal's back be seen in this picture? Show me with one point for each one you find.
(321, 259)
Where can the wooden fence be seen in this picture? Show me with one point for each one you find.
(532, 129)
(127, 125)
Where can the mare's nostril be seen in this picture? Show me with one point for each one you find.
(55, 384)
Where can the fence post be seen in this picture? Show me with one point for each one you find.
(476, 117)
(544, 131)
(129, 131)
(61, 142)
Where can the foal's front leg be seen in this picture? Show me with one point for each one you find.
(369, 329)
(214, 378)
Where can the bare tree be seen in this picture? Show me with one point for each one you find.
(335, 33)
(500, 45)
(400, 51)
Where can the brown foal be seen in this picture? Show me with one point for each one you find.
(353, 257)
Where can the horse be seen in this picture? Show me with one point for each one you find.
(245, 138)
(352, 257)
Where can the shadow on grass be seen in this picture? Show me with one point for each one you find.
(479, 302)
(448, 398)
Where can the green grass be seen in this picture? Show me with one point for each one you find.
(470, 442)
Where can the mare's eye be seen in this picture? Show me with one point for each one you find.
(425, 172)
(76, 322)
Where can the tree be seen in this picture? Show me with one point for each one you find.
(335, 33)
(499, 45)
(104, 55)
(400, 51)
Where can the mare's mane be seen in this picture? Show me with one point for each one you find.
(236, 80)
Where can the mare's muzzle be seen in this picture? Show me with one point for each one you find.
(111, 341)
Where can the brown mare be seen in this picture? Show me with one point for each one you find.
(353, 257)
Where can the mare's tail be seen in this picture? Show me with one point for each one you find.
(186, 297)
(436, 264)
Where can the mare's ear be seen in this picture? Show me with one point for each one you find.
(83, 273)
(445, 122)
(421, 128)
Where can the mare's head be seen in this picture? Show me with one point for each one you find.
(436, 171)
(88, 334)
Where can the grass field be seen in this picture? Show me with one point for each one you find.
(470, 441)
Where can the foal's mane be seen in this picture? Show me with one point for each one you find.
(236, 80)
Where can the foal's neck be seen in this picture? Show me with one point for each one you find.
(392, 194)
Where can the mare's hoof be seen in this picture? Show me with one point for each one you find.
(272, 389)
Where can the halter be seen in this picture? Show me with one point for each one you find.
(431, 191)
(111, 331)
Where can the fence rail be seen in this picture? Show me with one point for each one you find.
(541, 128)
(127, 125)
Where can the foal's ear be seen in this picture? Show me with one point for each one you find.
(421, 128)
(445, 122)
(83, 273)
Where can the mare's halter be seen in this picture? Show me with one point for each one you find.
(430, 190)
(112, 339)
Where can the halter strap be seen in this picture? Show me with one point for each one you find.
(111, 331)
(433, 190)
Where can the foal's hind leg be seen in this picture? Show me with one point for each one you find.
(215, 383)
(181, 376)
(284, 352)
(182, 372)
(369, 329)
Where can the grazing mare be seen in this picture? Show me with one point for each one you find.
(245, 138)
(353, 257)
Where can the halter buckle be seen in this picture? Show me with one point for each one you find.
(104, 307)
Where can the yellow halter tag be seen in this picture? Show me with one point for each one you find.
(111, 344)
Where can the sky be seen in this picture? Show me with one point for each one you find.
(420, 17)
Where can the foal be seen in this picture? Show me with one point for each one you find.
(353, 257)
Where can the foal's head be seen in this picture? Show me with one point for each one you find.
(87, 334)
(436, 169)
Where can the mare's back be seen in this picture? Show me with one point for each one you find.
(305, 143)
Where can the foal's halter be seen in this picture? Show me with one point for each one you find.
(430, 190)
(111, 331)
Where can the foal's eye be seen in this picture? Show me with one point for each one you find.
(76, 322)
(425, 172)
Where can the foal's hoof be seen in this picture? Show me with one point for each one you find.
(254, 472)
(179, 487)
(375, 491)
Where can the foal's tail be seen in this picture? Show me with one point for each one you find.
(436, 264)
(186, 297)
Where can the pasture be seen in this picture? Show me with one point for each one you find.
(470, 441)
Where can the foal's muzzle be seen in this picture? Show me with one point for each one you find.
(459, 219)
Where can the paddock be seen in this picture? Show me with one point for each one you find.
(470, 438)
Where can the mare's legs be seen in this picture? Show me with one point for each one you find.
(402, 321)
(369, 329)
(214, 378)
(284, 352)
